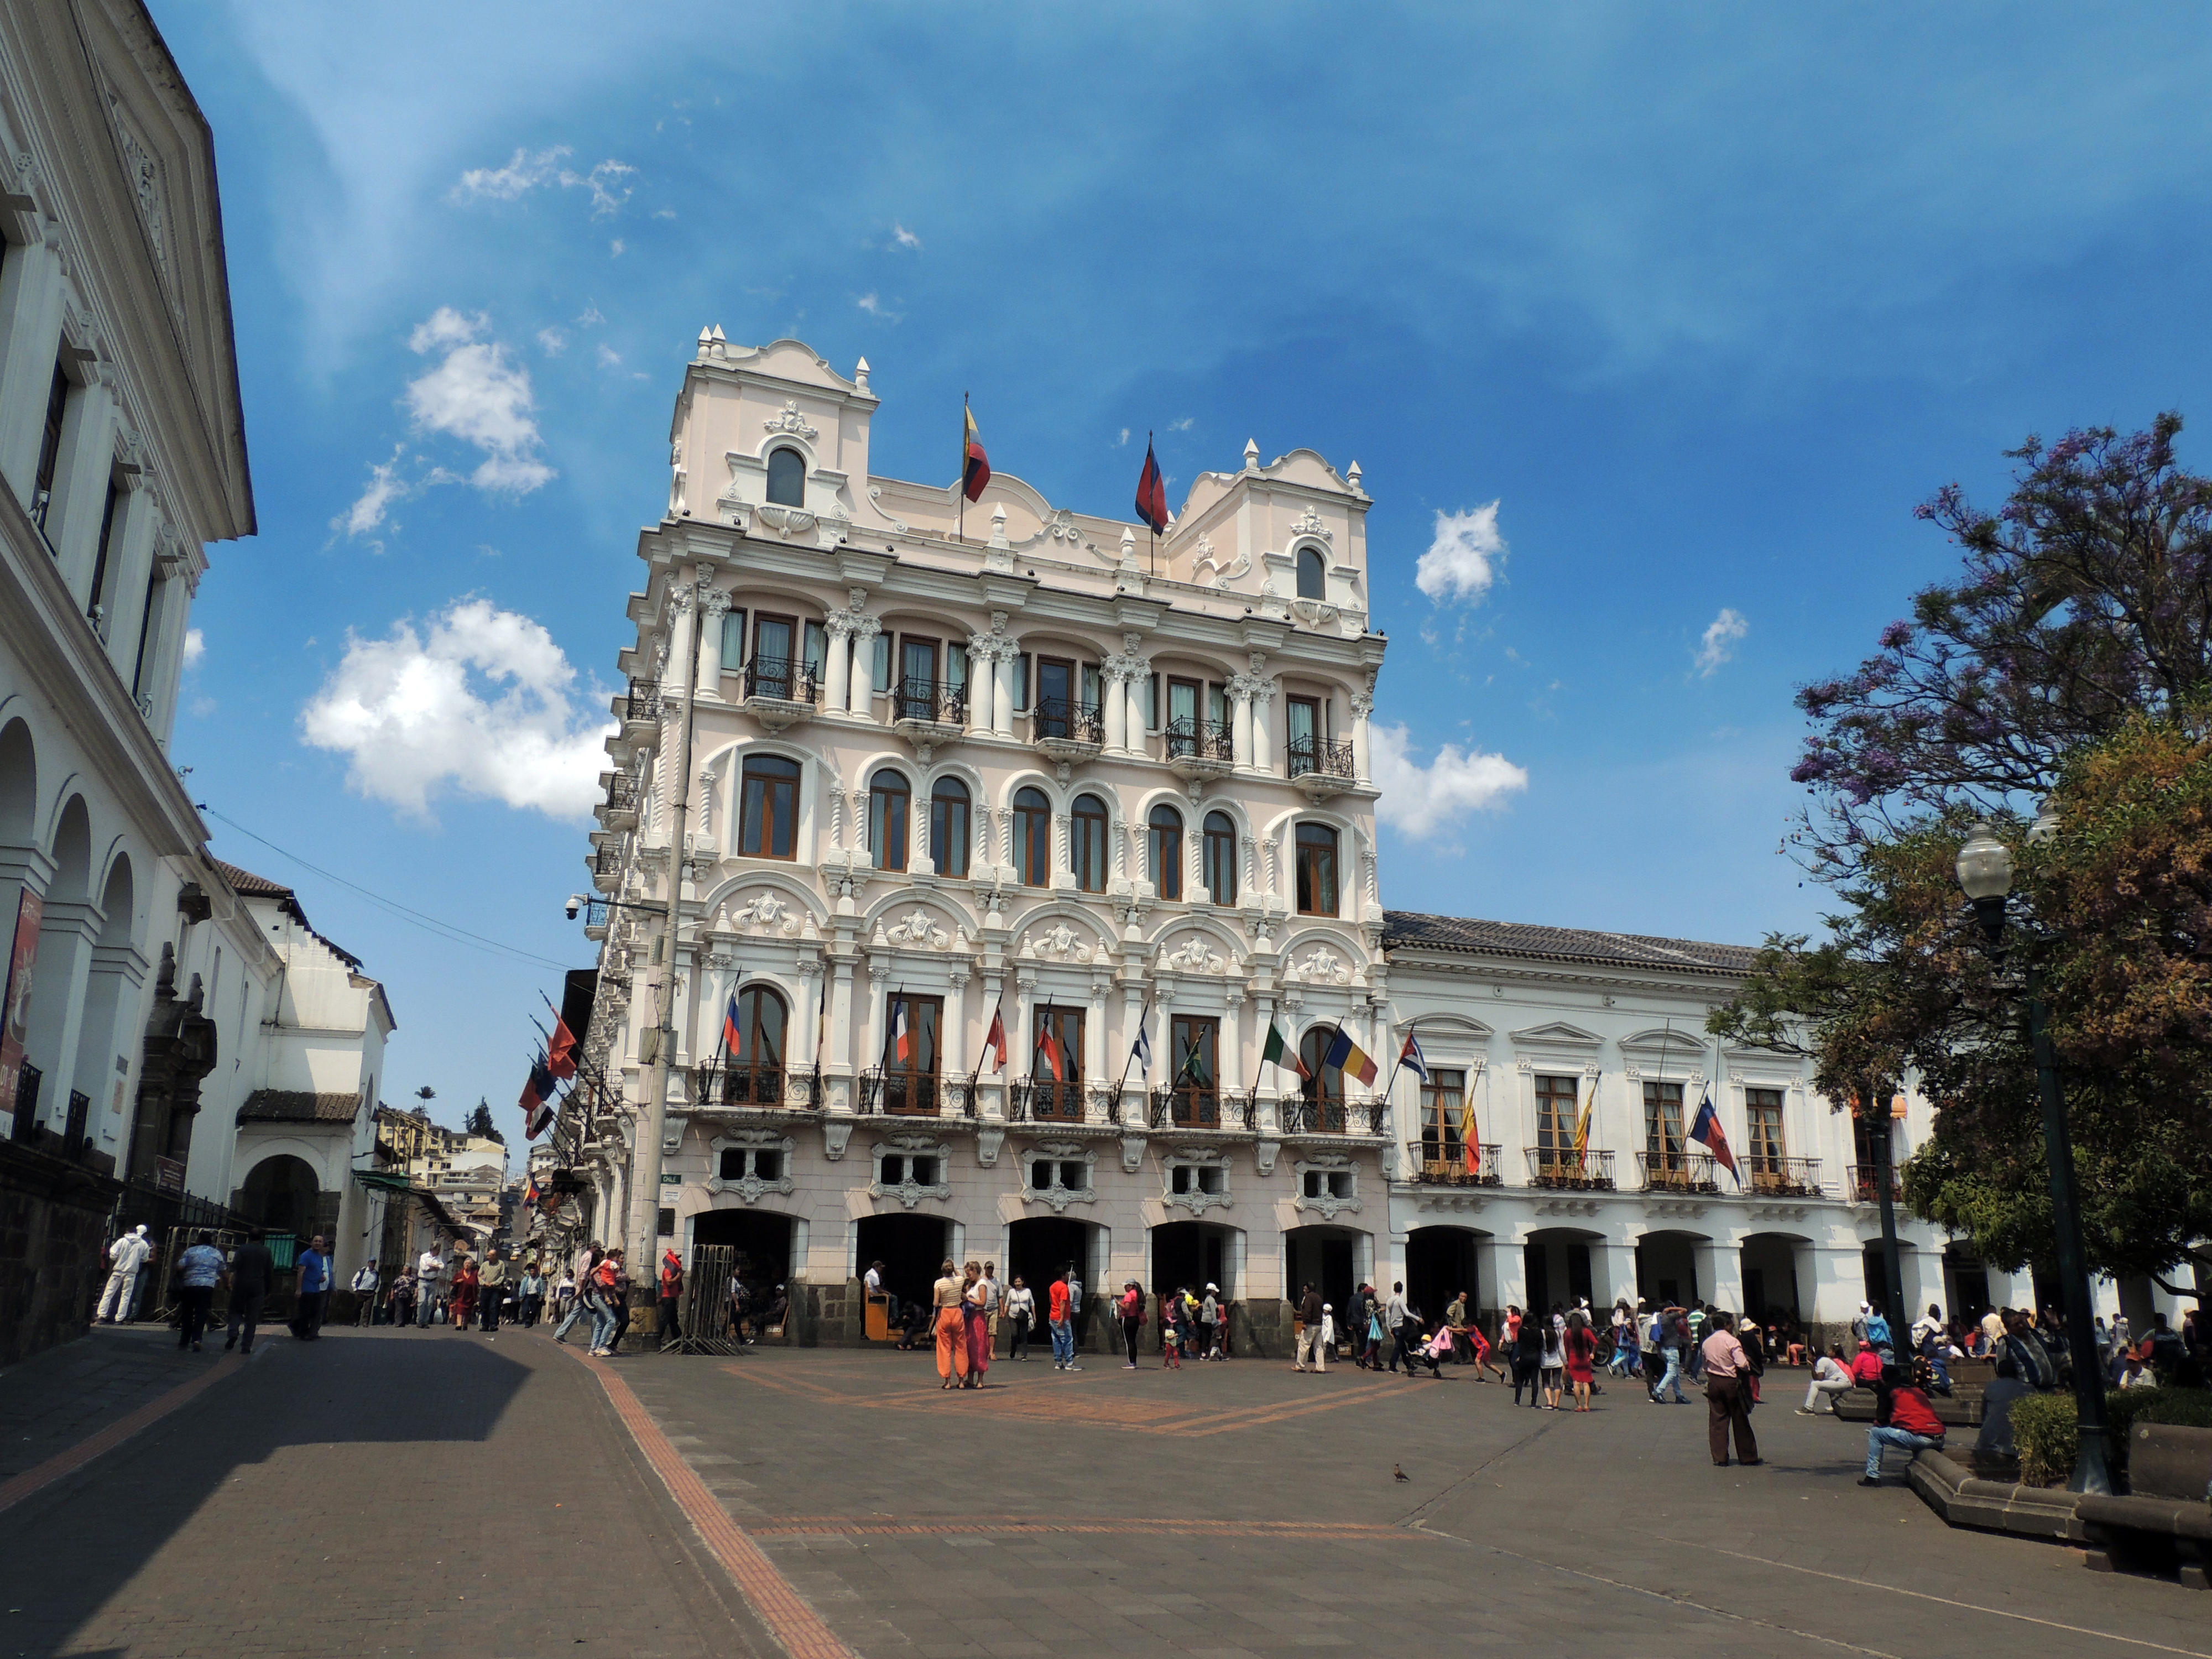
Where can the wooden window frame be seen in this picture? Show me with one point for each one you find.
(1060, 1102)
(767, 822)
(1209, 860)
(1025, 840)
(1167, 873)
(1305, 883)
(1079, 853)
(963, 841)
(881, 855)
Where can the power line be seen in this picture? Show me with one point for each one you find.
(430, 924)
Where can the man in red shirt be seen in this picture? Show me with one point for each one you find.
(1902, 1417)
(1060, 1312)
(1866, 1370)
(671, 1294)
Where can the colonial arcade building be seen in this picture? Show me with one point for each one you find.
(1029, 767)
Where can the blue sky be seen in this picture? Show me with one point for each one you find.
(1704, 299)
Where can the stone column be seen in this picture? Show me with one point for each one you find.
(1363, 705)
(810, 1007)
(1133, 1017)
(1720, 1270)
(1021, 1035)
(952, 1037)
(837, 682)
(1117, 707)
(1002, 709)
(1230, 1051)
(1613, 1275)
(983, 685)
(1094, 1036)
(1140, 680)
(1263, 742)
(863, 704)
(841, 1015)
(714, 608)
(1240, 719)
(1063, 858)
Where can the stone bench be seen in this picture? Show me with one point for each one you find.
(2165, 1521)
(1960, 1409)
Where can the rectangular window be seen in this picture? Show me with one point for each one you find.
(910, 1079)
(1182, 716)
(775, 641)
(1058, 1097)
(1217, 703)
(148, 624)
(818, 650)
(97, 607)
(1443, 1117)
(1194, 1092)
(917, 686)
(1558, 1100)
(50, 444)
(882, 665)
(1022, 683)
(1056, 680)
(733, 641)
(1094, 689)
(1303, 726)
(1662, 1125)
(1152, 704)
(956, 669)
(1763, 1114)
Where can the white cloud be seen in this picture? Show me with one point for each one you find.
(1421, 800)
(589, 317)
(476, 395)
(527, 170)
(1184, 424)
(603, 181)
(1123, 438)
(664, 212)
(1462, 561)
(1719, 644)
(904, 238)
(615, 248)
(552, 342)
(481, 703)
(195, 647)
(385, 486)
(869, 303)
(607, 357)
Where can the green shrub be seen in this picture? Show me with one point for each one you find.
(2044, 1427)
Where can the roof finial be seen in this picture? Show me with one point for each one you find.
(1251, 454)
(860, 375)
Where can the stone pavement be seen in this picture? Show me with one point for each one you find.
(61, 1397)
(430, 1492)
(1243, 1511)
(385, 1492)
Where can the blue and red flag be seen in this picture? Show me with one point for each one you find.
(975, 465)
(1708, 1133)
(734, 1034)
(1152, 492)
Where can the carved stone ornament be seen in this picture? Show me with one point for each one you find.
(1132, 1153)
(835, 1137)
(1059, 943)
(1056, 1196)
(909, 1192)
(752, 1185)
(1196, 1201)
(989, 1140)
(1207, 565)
(918, 931)
(765, 913)
(1193, 957)
(1309, 524)
(792, 421)
(1322, 966)
(1327, 1205)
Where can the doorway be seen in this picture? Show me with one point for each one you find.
(762, 1240)
(1666, 1269)
(1194, 1254)
(1439, 1265)
(1323, 1256)
(912, 1248)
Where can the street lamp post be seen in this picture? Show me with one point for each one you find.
(1985, 874)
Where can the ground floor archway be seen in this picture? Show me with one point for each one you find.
(1440, 1263)
(1557, 1262)
(1192, 1254)
(1327, 1257)
(282, 1193)
(1966, 1281)
(1772, 1288)
(762, 1240)
(1039, 1249)
(1667, 1268)
(912, 1248)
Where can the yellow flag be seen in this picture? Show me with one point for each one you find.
(1583, 1124)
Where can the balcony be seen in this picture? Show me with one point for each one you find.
(779, 692)
(1302, 1115)
(619, 811)
(771, 1088)
(1200, 749)
(913, 1094)
(1067, 730)
(928, 713)
(1862, 1184)
(606, 867)
(1040, 1100)
(1562, 1168)
(1321, 769)
(1435, 1163)
(639, 709)
(1783, 1177)
(1189, 1108)
(1678, 1172)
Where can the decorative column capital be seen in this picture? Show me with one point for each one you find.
(714, 601)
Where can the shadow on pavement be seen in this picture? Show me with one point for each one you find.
(70, 1548)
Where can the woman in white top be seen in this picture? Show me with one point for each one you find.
(1021, 1309)
(1555, 1367)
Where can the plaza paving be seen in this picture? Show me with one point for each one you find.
(398, 1492)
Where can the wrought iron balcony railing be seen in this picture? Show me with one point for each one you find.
(1438, 1163)
(1677, 1172)
(781, 679)
(1564, 1168)
(1319, 757)
(1041, 1100)
(928, 701)
(1187, 1107)
(1863, 1183)
(643, 701)
(1782, 1177)
(1303, 1116)
(899, 1094)
(1061, 719)
(1201, 740)
(727, 1083)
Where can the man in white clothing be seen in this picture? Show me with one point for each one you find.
(428, 1268)
(125, 1257)
(1830, 1378)
(364, 1294)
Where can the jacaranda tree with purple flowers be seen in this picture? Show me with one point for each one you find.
(2071, 658)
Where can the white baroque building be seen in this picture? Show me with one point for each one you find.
(1049, 773)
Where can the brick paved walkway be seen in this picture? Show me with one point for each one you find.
(57, 1399)
(399, 1492)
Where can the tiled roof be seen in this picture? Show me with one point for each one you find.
(297, 1106)
(1410, 929)
(247, 885)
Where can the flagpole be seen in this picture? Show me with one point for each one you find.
(997, 1010)
(1143, 1018)
(961, 534)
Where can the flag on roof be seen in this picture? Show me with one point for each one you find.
(975, 465)
(1152, 492)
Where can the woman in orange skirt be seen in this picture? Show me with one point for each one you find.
(978, 1324)
(951, 1328)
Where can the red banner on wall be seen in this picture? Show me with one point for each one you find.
(15, 1002)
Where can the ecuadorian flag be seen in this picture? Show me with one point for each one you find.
(975, 465)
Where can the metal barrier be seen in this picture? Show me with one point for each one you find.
(703, 1310)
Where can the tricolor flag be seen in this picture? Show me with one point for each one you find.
(560, 1054)
(1470, 1146)
(530, 1195)
(1410, 1058)
(1152, 492)
(1280, 1053)
(1348, 1056)
(1583, 1123)
(975, 465)
(1055, 1056)
(1707, 1131)
(734, 1034)
(537, 1119)
(995, 1043)
(901, 1044)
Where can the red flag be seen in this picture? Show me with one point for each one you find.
(1049, 1047)
(995, 1043)
(975, 465)
(901, 1044)
(1152, 492)
(560, 1054)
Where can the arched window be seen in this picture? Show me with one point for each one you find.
(1316, 870)
(1313, 567)
(1033, 837)
(1220, 861)
(768, 808)
(1323, 1085)
(888, 797)
(752, 1053)
(1163, 845)
(786, 485)
(1087, 850)
(948, 827)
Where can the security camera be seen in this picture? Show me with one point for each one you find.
(575, 904)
